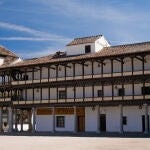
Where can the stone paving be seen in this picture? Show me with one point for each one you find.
(73, 143)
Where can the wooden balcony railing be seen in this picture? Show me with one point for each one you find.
(87, 99)
(115, 74)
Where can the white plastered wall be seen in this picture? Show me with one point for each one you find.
(78, 69)
(70, 92)
(44, 122)
(134, 118)
(45, 93)
(116, 66)
(79, 92)
(53, 94)
(29, 94)
(112, 118)
(88, 69)
(61, 71)
(79, 49)
(69, 123)
(107, 66)
(1, 61)
(88, 91)
(69, 71)
(127, 66)
(91, 119)
(44, 73)
(147, 63)
(53, 72)
(107, 90)
(97, 68)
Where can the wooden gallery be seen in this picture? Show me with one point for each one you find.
(90, 87)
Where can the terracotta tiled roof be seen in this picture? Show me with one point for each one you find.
(84, 40)
(125, 49)
(105, 52)
(5, 52)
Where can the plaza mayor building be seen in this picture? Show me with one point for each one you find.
(90, 87)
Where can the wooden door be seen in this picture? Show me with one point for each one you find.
(103, 123)
(81, 123)
(143, 123)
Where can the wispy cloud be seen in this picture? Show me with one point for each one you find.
(33, 39)
(105, 11)
(39, 35)
(87, 10)
(47, 51)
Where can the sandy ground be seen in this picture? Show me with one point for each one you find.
(72, 143)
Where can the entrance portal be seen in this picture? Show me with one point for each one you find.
(102, 122)
(143, 123)
(81, 123)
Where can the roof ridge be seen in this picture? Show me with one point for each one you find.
(88, 37)
(6, 52)
(138, 43)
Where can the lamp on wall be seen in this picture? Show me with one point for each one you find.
(93, 108)
(116, 87)
(59, 69)
(140, 106)
(37, 90)
(98, 65)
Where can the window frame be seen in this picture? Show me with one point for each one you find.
(62, 94)
(87, 49)
(99, 93)
(121, 92)
(124, 120)
(60, 121)
(145, 90)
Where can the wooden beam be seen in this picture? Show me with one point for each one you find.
(101, 61)
(139, 58)
(83, 63)
(120, 60)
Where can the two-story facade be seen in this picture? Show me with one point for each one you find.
(91, 87)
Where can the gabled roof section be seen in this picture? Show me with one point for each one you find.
(125, 49)
(84, 40)
(5, 52)
(112, 51)
(34, 61)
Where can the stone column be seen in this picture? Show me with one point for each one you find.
(146, 118)
(75, 119)
(33, 119)
(10, 114)
(16, 128)
(53, 113)
(1, 119)
(30, 120)
(98, 119)
(21, 120)
(121, 118)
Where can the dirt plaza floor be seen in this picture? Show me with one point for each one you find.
(73, 143)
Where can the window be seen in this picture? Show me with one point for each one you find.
(124, 120)
(88, 49)
(60, 121)
(99, 93)
(121, 92)
(62, 94)
(145, 90)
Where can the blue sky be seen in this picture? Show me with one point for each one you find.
(34, 28)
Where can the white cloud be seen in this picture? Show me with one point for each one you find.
(44, 52)
(33, 39)
(40, 36)
(87, 10)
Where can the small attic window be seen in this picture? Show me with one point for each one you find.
(88, 49)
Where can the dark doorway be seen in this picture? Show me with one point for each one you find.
(143, 123)
(102, 122)
(81, 123)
